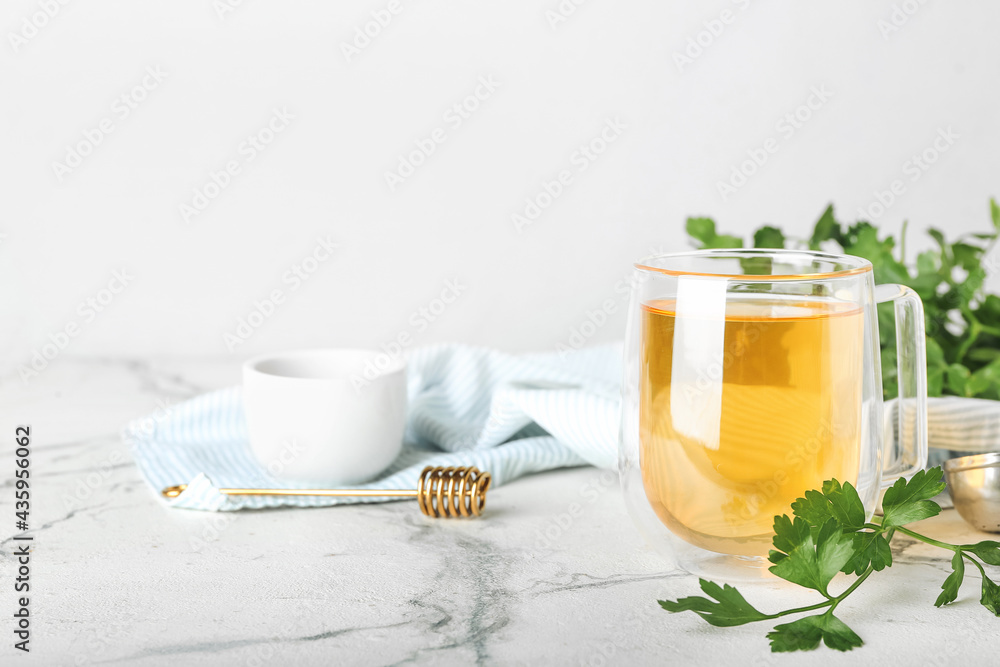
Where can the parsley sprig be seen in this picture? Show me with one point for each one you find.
(828, 534)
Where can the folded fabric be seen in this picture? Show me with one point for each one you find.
(507, 414)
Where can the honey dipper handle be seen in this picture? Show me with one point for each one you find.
(174, 491)
(345, 493)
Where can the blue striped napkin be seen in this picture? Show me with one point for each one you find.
(506, 414)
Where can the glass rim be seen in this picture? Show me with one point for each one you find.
(853, 265)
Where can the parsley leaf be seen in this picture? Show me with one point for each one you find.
(727, 608)
(991, 596)
(908, 501)
(806, 633)
(814, 508)
(834, 502)
(949, 592)
(768, 237)
(987, 550)
(827, 229)
(870, 548)
(811, 564)
(788, 536)
(846, 504)
(703, 229)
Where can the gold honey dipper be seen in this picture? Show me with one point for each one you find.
(441, 492)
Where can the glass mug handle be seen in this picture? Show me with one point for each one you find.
(906, 453)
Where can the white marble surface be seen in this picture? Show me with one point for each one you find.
(117, 578)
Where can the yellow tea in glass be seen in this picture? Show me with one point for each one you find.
(744, 406)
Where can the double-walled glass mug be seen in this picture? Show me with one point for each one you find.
(750, 377)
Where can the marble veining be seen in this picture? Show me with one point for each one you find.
(121, 579)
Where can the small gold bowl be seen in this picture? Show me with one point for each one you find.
(974, 486)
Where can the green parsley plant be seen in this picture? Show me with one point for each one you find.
(828, 534)
(963, 321)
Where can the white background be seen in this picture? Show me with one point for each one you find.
(687, 127)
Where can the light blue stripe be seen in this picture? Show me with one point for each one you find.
(468, 406)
